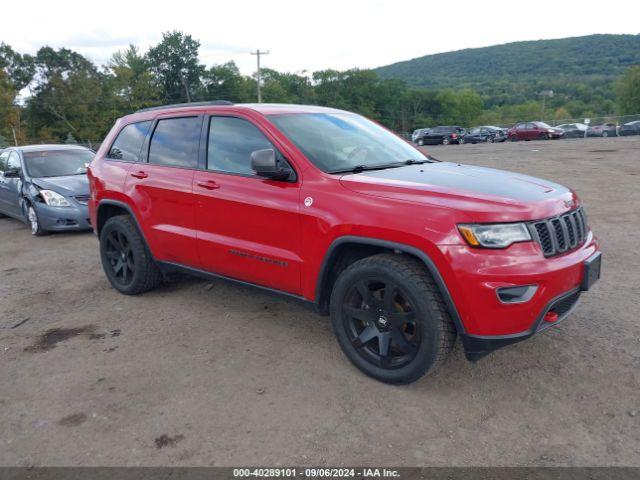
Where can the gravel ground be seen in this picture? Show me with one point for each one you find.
(200, 373)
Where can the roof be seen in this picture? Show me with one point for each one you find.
(47, 147)
(263, 108)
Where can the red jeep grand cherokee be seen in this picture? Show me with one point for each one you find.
(403, 251)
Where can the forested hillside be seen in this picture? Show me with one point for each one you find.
(579, 70)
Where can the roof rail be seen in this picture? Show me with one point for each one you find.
(192, 104)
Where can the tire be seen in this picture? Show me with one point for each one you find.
(445, 141)
(125, 258)
(34, 222)
(513, 138)
(462, 141)
(420, 142)
(489, 139)
(398, 337)
(605, 134)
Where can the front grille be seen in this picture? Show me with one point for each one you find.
(560, 234)
(83, 199)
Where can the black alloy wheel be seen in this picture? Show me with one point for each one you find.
(381, 323)
(120, 257)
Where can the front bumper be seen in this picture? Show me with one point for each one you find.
(477, 346)
(62, 219)
(490, 323)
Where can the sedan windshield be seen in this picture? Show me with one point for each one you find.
(57, 163)
(337, 142)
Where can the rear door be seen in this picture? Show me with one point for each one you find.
(161, 188)
(248, 226)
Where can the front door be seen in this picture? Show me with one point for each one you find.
(161, 188)
(10, 188)
(248, 227)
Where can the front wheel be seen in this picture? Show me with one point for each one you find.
(445, 141)
(390, 319)
(489, 139)
(34, 222)
(420, 142)
(605, 134)
(125, 258)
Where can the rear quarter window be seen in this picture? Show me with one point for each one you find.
(128, 143)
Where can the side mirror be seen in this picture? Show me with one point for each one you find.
(266, 164)
(12, 173)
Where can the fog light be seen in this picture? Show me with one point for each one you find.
(519, 294)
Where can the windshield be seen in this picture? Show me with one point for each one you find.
(542, 124)
(57, 163)
(343, 141)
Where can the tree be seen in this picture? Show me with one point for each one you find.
(70, 140)
(175, 63)
(131, 81)
(68, 96)
(628, 91)
(224, 82)
(19, 69)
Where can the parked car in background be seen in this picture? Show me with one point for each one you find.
(630, 128)
(478, 135)
(404, 252)
(573, 130)
(417, 134)
(534, 131)
(444, 135)
(603, 130)
(46, 186)
(501, 133)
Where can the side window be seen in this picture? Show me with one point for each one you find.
(128, 143)
(13, 162)
(175, 142)
(231, 142)
(3, 161)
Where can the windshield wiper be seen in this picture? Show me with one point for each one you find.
(362, 168)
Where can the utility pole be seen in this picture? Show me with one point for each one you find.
(257, 53)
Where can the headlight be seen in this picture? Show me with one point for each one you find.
(53, 198)
(497, 235)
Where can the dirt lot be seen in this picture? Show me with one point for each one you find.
(201, 373)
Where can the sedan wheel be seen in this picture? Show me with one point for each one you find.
(605, 134)
(420, 142)
(489, 140)
(445, 141)
(34, 223)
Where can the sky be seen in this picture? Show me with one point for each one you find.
(306, 35)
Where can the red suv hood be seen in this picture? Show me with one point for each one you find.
(484, 194)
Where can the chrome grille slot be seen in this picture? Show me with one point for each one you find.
(560, 234)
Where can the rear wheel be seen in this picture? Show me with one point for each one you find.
(445, 141)
(489, 139)
(462, 141)
(125, 258)
(513, 138)
(605, 134)
(389, 318)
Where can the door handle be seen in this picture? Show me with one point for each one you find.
(209, 185)
(139, 174)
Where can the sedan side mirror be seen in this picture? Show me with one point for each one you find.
(12, 173)
(266, 164)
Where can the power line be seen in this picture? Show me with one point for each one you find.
(257, 53)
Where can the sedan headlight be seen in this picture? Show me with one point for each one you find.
(497, 235)
(53, 198)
